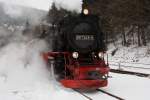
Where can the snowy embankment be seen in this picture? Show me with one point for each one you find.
(131, 58)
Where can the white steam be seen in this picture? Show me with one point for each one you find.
(70, 5)
(23, 72)
(22, 62)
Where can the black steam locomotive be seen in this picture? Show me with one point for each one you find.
(78, 52)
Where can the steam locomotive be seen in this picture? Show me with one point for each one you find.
(78, 53)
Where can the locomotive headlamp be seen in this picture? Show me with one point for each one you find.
(86, 11)
(100, 54)
(75, 55)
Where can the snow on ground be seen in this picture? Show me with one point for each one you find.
(131, 58)
(129, 87)
(125, 86)
(132, 54)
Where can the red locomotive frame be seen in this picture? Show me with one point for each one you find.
(79, 78)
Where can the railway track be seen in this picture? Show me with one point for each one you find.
(87, 97)
(99, 90)
(129, 73)
(112, 95)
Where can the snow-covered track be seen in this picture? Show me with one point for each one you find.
(99, 90)
(87, 97)
(110, 94)
(129, 73)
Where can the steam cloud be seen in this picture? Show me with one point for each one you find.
(21, 63)
(70, 5)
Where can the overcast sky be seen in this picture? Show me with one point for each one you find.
(45, 4)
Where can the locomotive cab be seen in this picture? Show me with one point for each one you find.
(78, 52)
